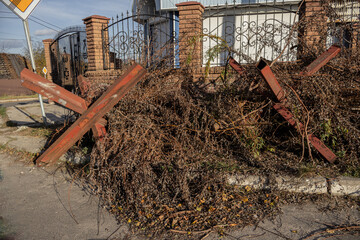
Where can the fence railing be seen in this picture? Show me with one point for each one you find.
(68, 56)
(344, 24)
(269, 29)
(143, 38)
(251, 31)
(250, 28)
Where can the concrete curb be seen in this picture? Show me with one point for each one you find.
(344, 186)
(341, 186)
(22, 100)
(18, 100)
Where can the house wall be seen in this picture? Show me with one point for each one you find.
(166, 4)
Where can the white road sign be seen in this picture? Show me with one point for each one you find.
(44, 70)
(22, 8)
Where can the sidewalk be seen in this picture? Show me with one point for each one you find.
(24, 117)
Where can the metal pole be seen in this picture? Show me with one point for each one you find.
(28, 40)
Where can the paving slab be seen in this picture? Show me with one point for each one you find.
(23, 143)
(42, 204)
(30, 114)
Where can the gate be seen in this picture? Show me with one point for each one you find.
(69, 56)
(151, 40)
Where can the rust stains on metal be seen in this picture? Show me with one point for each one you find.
(271, 80)
(321, 61)
(93, 114)
(317, 143)
(52, 91)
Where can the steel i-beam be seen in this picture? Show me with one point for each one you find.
(236, 66)
(321, 61)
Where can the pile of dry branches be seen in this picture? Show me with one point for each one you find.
(172, 141)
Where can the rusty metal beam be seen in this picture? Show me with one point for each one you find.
(52, 91)
(60, 95)
(274, 85)
(315, 142)
(271, 80)
(236, 66)
(321, 61)
(93, 114)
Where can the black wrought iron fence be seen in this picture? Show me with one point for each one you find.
(269, 29)
(251, 29)
(344, 24)
(69, 56)
(149, 39)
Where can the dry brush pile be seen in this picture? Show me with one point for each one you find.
(172, 142)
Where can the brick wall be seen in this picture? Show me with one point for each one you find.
(103, 76)
(313, 28)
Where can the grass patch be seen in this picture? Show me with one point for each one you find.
(9, 97)
(3, 112)
(39, 132)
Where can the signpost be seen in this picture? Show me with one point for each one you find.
(23, 9)
(44, 71)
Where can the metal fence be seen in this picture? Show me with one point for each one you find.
(343, 24)
(150, 39)
(69, 56)
(251, 30)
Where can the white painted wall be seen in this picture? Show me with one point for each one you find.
(170, 4)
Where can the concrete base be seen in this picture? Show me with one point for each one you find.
(315, 185)
(302, 185)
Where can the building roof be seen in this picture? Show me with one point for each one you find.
(171, 4)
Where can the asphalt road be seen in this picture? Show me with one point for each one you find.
(10, 87)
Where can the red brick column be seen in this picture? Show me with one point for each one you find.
(313, 27)
(47, 52)
(356, 36)
(94, 25)
(190, 30)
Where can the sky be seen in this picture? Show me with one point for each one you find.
(49, 17)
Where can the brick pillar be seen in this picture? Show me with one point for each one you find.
(47, 52)
(94, 25)
(313, 28)
(355, 36)
(190, 30)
